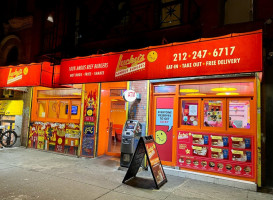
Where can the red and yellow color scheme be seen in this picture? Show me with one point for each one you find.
(36, 74)
(164, 127)
(235, 53)
(55, 120)
(156, 167)
(90, 112)
(58, 137)
(206, 139)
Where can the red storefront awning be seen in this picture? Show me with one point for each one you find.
(235, 53)
(36, 74)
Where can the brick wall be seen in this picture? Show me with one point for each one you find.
(137, 109)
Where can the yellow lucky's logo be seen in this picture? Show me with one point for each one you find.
(14, 76)
(152, 56)
(130, 65)
(25, 71)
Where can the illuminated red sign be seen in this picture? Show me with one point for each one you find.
(236, 53)
(38, 74)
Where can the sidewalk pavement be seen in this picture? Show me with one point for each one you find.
(33, 174)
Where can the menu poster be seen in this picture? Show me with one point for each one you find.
(221, 153)
(192, 110)
(155, 162)
(146, 145)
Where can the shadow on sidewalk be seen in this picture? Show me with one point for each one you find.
(143, 183)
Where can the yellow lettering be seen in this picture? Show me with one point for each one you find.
(133, 61)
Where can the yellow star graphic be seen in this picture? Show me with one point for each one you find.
(209, 53)
(188, 151)
(189, 56)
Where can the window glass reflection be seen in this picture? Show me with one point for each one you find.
(190, 112)
(213, 113)
(165, 89)
(239, 114)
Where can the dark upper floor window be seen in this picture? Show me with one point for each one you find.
(238, 11)
(171, 13)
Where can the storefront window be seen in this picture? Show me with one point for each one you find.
(52, 109)
(41, 109)
(219, 89)
(213, 113)
(116, 92)
(190, 112)
(75, 109)
(165, 89)
(63, 109)
(59, 93)
(59, 110)
(239, 114)
(190, 90)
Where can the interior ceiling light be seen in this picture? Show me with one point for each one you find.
(188, 90)
(223, 89)
(50, 18)
(196, 94)
(228, 93)
(76, 93)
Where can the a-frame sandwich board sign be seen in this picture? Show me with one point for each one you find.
(146, 145)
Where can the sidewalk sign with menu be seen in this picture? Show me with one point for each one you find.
(146, 145)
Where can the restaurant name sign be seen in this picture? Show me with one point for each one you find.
(236, 53)
(37, 74)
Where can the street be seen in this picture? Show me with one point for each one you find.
(33, 174)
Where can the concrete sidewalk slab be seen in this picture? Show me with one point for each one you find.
(118, 196)
(209, 190)
(30, 174)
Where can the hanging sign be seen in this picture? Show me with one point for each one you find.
(129, 95)
(38, 74)
(236, 53)
(11, 107)
(146, 146)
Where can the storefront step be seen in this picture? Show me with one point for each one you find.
(211, 179)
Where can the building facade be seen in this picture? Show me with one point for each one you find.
(86, 28)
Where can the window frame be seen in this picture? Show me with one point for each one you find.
(35, 107)
(47, 119)
(187, 127)
(224, 115)
(252, 116)
(165, 93)
(169, 4)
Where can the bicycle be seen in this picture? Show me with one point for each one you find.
(7, 138)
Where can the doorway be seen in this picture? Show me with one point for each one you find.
(113, 115)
